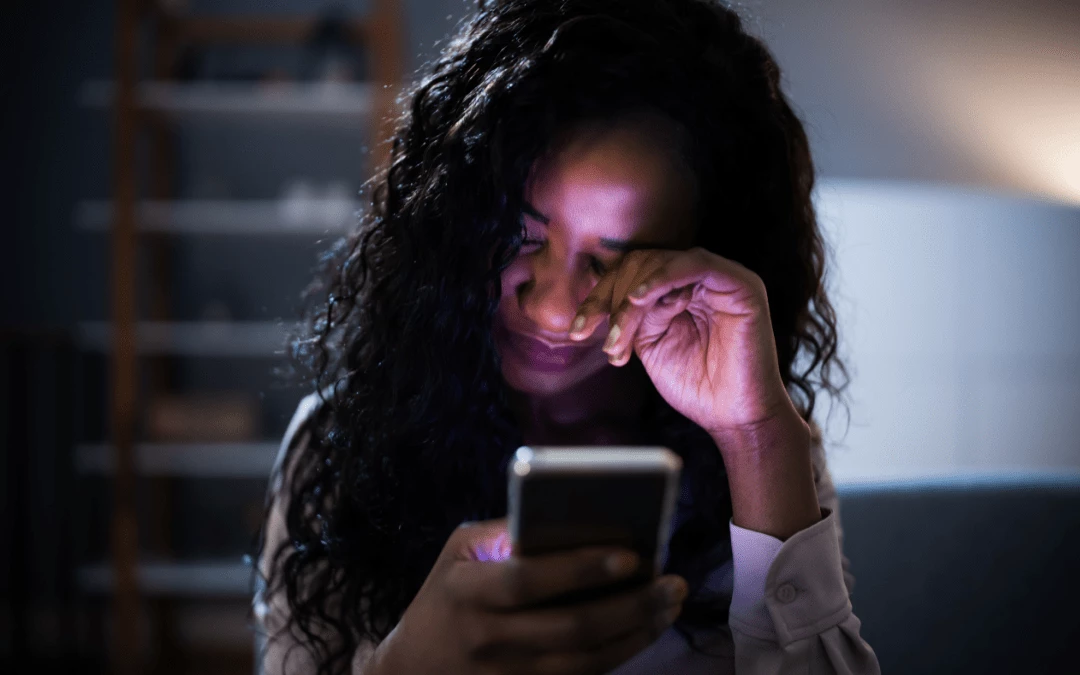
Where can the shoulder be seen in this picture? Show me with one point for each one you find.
(304, 412)
(275, 530)
(298, 433)
(270, 606)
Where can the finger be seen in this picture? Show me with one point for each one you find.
(593, 309)
(601, 660)
(657, 315)
(480, 540)
(644, 328)
(658, 320)
(589, 625)
(625, 316)
(623, 322)
(520, 581)
(623, 358)
(698, 265)
(631, 317)
(610, 291)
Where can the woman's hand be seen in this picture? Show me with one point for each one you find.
(474, 613)
(700, 325)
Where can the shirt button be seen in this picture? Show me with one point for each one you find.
(785, 593)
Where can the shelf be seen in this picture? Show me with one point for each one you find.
(162, 124)
(214, 460)
(206, 578)
(209, 338)
(351, 103)
(228, 217)
(257, 29)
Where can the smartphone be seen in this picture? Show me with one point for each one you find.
(564, 497)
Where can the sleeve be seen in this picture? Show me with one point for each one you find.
(790, 606)
(279, 647)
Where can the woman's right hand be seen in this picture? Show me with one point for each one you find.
(476, 615)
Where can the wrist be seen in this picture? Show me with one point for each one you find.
(782, 430)
(771, 475)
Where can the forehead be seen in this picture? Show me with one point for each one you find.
(619, 181)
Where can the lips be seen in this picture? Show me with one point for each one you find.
(540, 354)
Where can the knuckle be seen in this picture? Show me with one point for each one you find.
(657, 274)
(759, 284)
(454, 541)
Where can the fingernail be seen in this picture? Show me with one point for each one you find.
(578, 324)
(673, 590)
(612, 337)
(640, 290)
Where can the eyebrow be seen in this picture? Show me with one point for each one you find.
(619, 245)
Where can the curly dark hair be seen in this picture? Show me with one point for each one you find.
(414, 431)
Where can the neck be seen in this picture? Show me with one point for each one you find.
(611, 395)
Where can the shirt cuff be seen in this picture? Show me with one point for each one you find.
(788, 590)
(752, 554)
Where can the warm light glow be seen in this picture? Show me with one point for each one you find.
(1009, 94)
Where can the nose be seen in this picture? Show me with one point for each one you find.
(550, 299)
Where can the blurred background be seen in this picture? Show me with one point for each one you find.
(139, 409)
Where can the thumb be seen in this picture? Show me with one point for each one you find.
(481, 540)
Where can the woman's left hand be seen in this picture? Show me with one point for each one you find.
(702, 330)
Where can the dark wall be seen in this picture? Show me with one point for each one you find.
(48, 142)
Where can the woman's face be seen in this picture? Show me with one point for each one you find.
(607, 190)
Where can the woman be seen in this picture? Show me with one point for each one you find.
(596, 228)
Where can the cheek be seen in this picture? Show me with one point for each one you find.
(513, 276)
(520, 271)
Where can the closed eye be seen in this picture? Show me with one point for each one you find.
(595, 264)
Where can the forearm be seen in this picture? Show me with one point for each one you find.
(771, 475)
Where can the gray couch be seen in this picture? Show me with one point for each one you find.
(967, 577)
